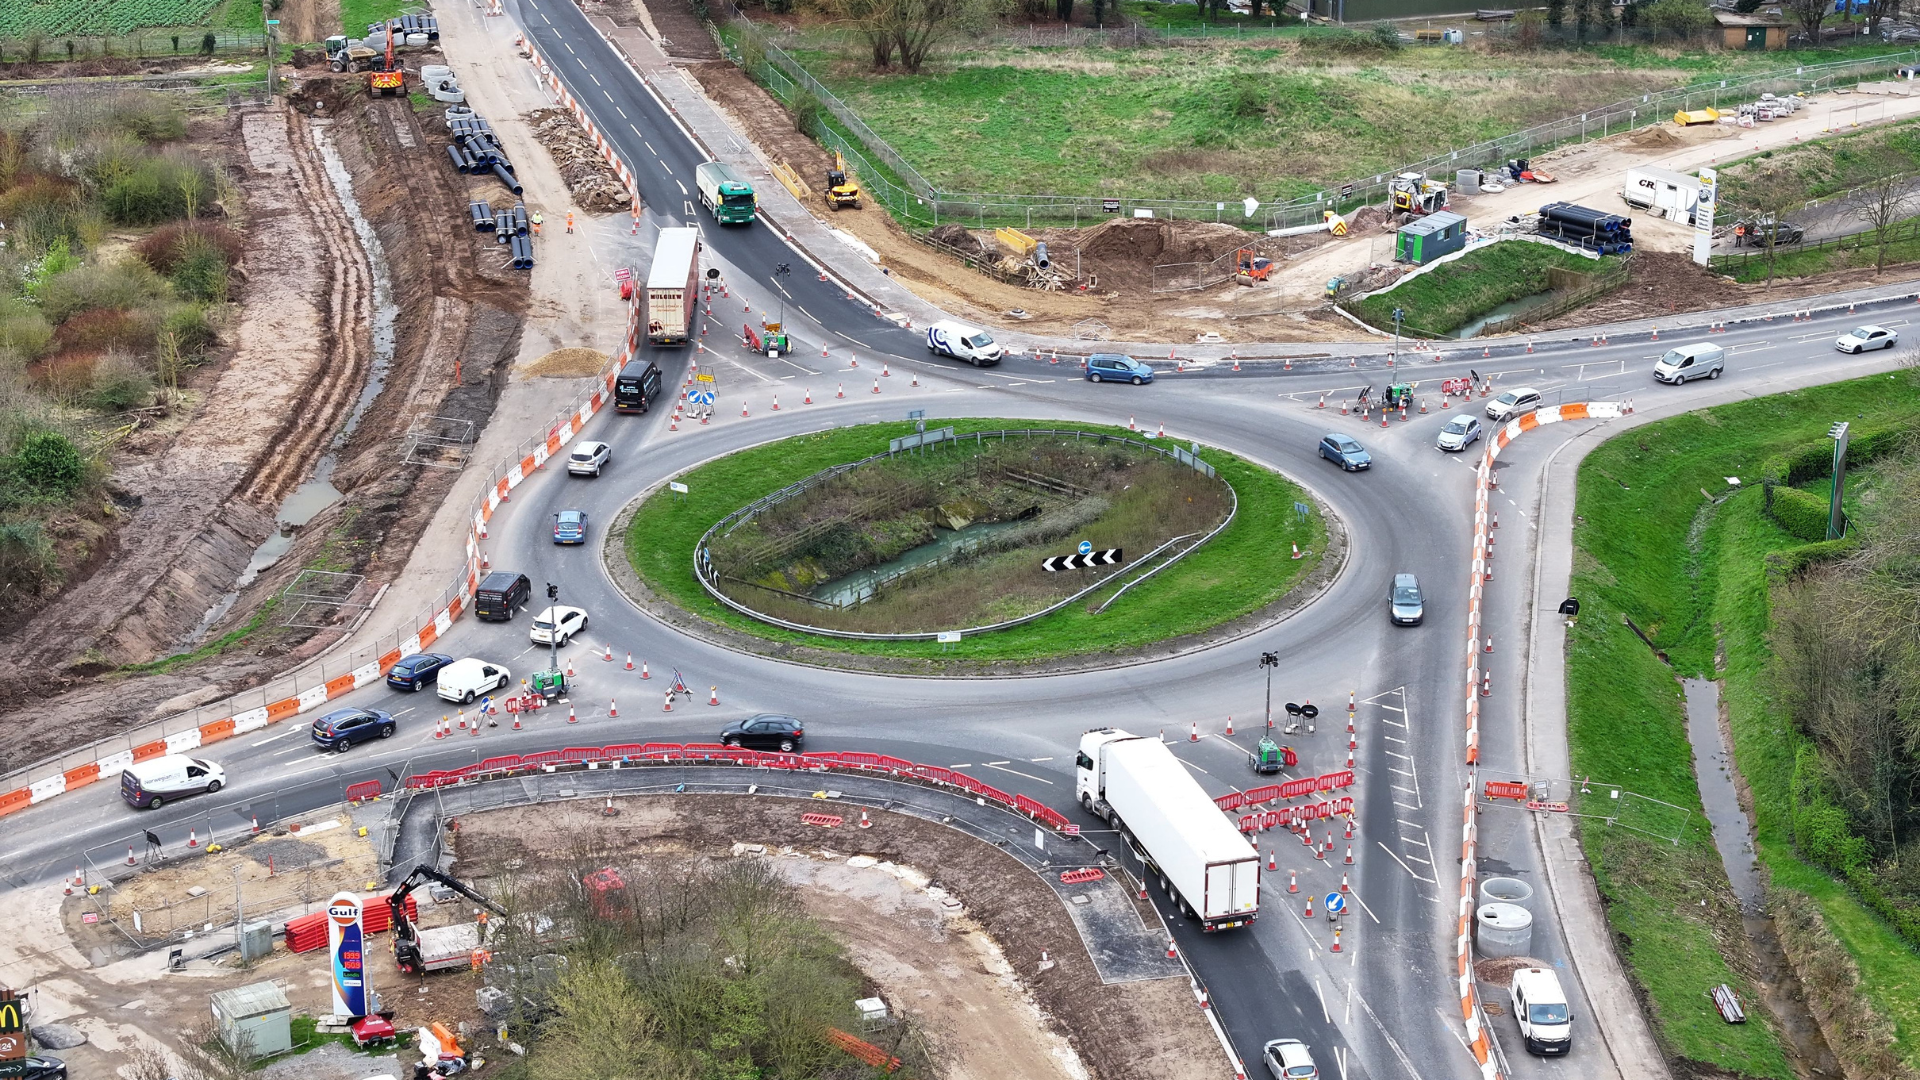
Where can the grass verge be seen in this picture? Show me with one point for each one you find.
(1793, 262)
(1453, 294)
(1245, 568)
(1691, 575)
(356, 15)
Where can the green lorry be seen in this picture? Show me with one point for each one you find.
(725, 192)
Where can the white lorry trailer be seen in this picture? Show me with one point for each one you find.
(1665, 192)
(673, 286)
(1205, 866)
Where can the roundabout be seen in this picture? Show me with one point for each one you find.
(847, 549)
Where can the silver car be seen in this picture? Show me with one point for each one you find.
(588, 458)
(1289, 1059)
(1513, 403)
(1459, 433)
(1405, 606)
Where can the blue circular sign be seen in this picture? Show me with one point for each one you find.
(1086, 546)
(1335, 903)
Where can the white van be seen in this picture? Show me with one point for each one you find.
(464, 680)
(147, 784)
(1540, 1006)
(1701, 360)
(963, 342)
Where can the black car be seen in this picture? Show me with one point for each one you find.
(341, 728)
(416, 671)
(44, 1068)
(766, 731)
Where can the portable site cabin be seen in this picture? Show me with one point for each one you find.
(1439, 233)
(1752, 33)
(255, 1020)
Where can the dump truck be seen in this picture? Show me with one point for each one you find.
(673, 287)
(725, 192)
(1207, 869)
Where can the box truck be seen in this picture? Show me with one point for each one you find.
(673, 286)
(1670, 194)
(725, 192)
(1205, 866)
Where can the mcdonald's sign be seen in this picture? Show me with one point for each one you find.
(13, 1035)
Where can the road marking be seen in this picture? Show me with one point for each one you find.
(962, 765)
(595, 78)
(1392, 738)
(1324, 1014)
(1036, 760)
(1404, 806)
(290, 750)
(1408, 790)
(1007, 761)
(1363, 906)
(1394, 753)
(609, 96)
(682, 187)
(1017, 772)
(648, 145)
(1403, 864)
(623, 114)
(1195, 768)
(1385, 1034)
(271, 738)
(576, 56)
(1418, 859)
(1408, 824)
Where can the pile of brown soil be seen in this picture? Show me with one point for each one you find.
(1124, 251)
(961, 239)
(589, 178)
(569, 364)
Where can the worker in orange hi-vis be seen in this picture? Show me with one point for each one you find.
(569, 221)
(536, 223)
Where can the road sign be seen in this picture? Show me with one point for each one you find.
(703, 377)
(1335, 904)
(700, 397)
(949, 637)
(676, 487)
(1086, 546)
(623, 274)
(1086, 558)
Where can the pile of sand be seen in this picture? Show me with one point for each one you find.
(570, 364)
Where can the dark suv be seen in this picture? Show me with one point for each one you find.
(342, 728)
(416, 671)
(767, 731)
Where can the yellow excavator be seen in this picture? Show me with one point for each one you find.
(841, 192)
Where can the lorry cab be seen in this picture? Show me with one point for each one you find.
(1540, 1008)
(147, 784)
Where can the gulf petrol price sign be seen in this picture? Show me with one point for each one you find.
(344, 941)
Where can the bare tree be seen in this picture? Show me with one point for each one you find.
(919, 25)
(1886, 201)
(875, 21)
(1771, 195)
(1810, 14)
(1877, 10)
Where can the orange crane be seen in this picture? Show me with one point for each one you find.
(387, 79)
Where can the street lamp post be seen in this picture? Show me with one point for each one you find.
(1398, 314)
(1836, 517)
(780, 274)
(553, 618)
(1269, 661)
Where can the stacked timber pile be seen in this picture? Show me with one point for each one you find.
(589, 178)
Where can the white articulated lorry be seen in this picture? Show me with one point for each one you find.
(1207, 868)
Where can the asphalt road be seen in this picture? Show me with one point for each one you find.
(1383, 1007)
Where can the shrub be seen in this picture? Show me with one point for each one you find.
(1801, 513)
(120, 383)
(58, 260)
(126, 284)
(24, 332)
(192, 334)
(156, 188)
(201, 272)
(160, 249)
(1388, 35)
(1680, 18)
(27, 560)
(107, 328)
(45, 467)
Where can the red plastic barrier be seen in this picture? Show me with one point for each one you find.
(365, 789)
(1335, 780)
(1294, 789)
(1506, 789)
(504, 763)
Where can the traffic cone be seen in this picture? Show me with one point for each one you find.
(256, 824)
(1229, 726)
(569, 667)
(1204, 1003)
(516, 721)
(474, 728)
(713, 695)
(1309, 913)
(1496, 519)
(916, 380)
(463, 720)
(1195, 736)
(130, 861)
(613, 708)
(441, 731)
(808, 400)
(1489, 647)
(1172, 953)
(852, 360)
(1323, 400)
(743, 409)
(1293, 881)
(1130, 424)
(1349, 863)
(629, 661)
(667, 705)
(1349, 826)
(643, 670)
(776, 403)
(876, 386)
(884, 373)
(571, 719)
(864, 823)
(843, 391)
(608, 656)
(1163, 429)
(1336, 939)
(193, 840)
(1272, 866)
(485, 563)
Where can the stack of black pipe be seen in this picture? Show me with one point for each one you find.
(1595, 230)
(483, 220)
(475, 152)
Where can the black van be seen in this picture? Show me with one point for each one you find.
(500, 594)
(637, 387)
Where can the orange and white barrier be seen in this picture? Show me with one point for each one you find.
(1469, 824)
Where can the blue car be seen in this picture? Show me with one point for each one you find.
(1112, 367)
(1345, 451)
(342, 728)
(416, 671)
(570, 527)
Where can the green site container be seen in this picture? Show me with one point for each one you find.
(1420, 242)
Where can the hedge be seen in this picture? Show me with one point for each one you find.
(1801, 513)
(1815, 460)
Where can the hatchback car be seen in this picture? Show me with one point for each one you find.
(766, 731)
(1513, 403)
(1289, 1059)
(44, 1068)
(1863, 338)
(1405, 606)
(570, 527)
(416, 671)
(342, 728)
(588, 458)
(1460, 433)
(1345, 451)
(559, 623)
(1112, 367)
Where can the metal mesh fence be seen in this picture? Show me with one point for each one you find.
(140, 44)
(911, 195)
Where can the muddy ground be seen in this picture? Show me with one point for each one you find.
(202, 494)
(1145, 1029)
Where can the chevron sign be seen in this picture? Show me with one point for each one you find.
(1081, 560)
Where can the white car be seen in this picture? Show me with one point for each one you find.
(1289, 1059)
(1459, 433)
(588, 458)
(1512, 404)
(557, 622)
(464, 680)
(1861, 339)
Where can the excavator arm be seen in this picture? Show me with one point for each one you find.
(406, 939)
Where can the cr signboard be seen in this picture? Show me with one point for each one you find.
(348, 958)
(1703, 215)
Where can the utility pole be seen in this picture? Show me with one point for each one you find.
(1269, 661)
(780, 273)
(1398, 314)
(271, 35)
(239, 916)
(1836, 517)
(553, 634)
